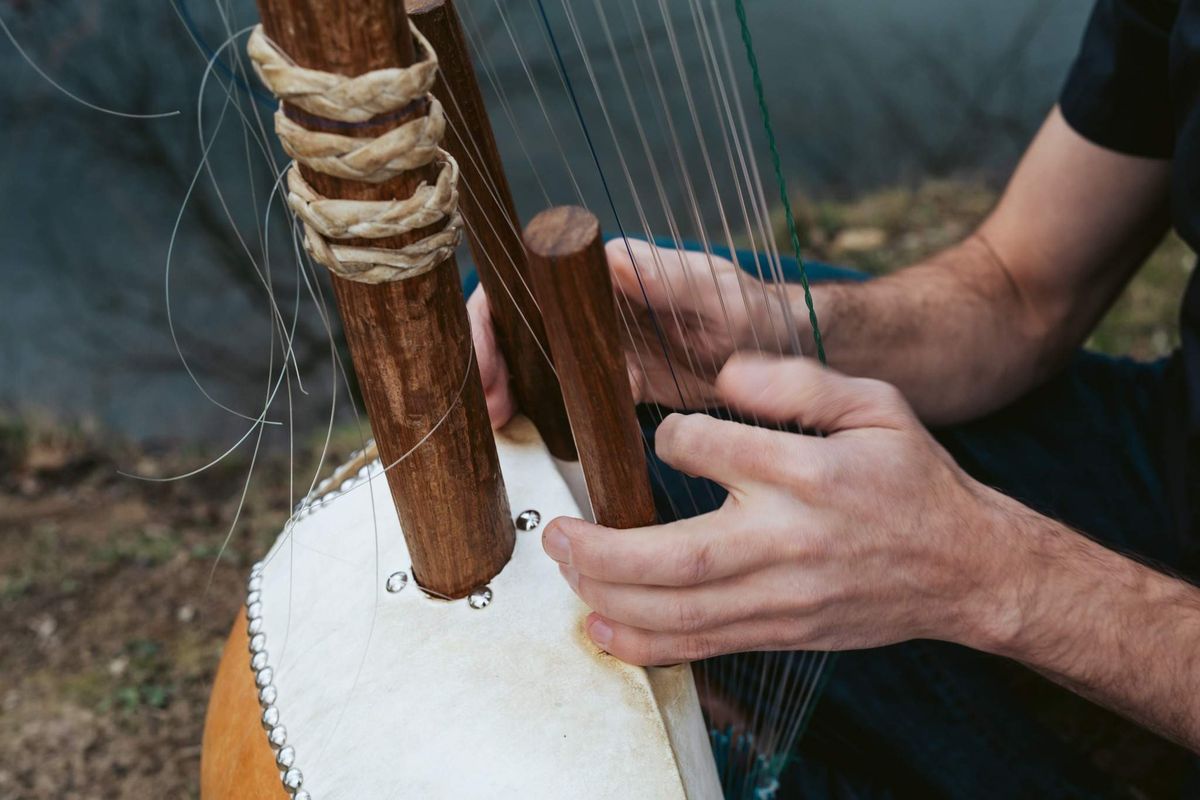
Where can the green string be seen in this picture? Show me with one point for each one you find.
(779, 179)
(781, 759)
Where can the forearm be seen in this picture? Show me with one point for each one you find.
(980, 324)
(954, 333)
(1104, 626)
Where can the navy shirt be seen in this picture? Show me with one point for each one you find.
(1135, 88)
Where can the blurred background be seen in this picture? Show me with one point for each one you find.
(127, 251)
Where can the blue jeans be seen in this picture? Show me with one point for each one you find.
(928, 719)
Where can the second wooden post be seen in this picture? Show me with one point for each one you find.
(574, 290)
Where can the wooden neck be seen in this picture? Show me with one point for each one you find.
(409, 339)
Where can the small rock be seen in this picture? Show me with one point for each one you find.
(44, 626)
(186, 613)
(117, 666)
(859, 240)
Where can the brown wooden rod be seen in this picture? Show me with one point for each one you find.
(492, 228)
(410, 340)
(574, 289)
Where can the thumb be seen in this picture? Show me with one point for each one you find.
(802, 390)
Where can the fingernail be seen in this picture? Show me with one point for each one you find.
(557, 545)
(600, 633)
(571, 576)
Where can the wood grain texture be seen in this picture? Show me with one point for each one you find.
(236, 761)
(492, 227)
(409, 339)
(574, 290)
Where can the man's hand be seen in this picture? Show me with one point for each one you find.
(865, 537)
(705, 307)
(873, 535)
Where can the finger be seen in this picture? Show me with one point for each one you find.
(661, 277)
(652, 379)
(688, 609)
(631, 262)
(493, 370)
(802, 390)
(637, 381)
(501, 405)
(684, 553)
(730, 453)
(648, 648)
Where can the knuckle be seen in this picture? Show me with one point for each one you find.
(695, 647)
(593, 596)
(662, 650)
(756, 461)
(695, 563)
(884, 394)
(636, 649)
(686, 617)
(675, 434)
(796, 471)
(588, 556)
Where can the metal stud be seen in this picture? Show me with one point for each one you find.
(397, 581)
(258, 660)
(270, 717)
(480, 598)
(254, 584)
(263, 677)
(293, 778)
(254, 626)
(286, 757)
(302, 795)
(254, 611)
(528, 520)
(253, 597)
(277, 736)
(267, 696)
(258, 567)
(258, 643)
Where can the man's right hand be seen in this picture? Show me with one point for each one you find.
(691, 308)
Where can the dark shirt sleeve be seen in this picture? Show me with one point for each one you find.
(1117, 94)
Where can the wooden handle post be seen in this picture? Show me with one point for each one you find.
(409, 339)
(492, 228)
(574, 290)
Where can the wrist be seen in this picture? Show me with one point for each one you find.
(1008, 595)
(796, 317)
(1047, 586)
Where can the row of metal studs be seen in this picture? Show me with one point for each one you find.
(285, 754)
(326, 493)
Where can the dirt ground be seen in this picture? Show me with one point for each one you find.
(113, 609)
(114, 603)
